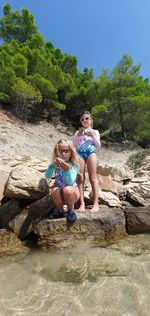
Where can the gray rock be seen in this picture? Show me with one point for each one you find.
(138, 219)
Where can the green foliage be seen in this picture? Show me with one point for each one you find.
(126, 95)
(100, 114)
(19, 27)
(4, 98)
(23, 98)
(7, 79)
(135, 160)
(49, 96)
(36, 41)
(20, 65)
(68, 64)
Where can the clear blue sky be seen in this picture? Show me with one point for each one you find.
(97, 32)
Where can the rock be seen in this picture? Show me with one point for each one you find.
(9, 163)
(146, 163)
(138, 219)
(101, 228)
(117, 173)
(107, 184)
(22, 223)
(4, 174)
(10, 244)
(109, 199)
(26, 183)
(8, 211)
(139, 193)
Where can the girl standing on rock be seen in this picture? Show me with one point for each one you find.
(87, 141)
(65, 189)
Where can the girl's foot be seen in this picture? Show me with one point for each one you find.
(81, 209)
(71, 217)
(94, 209)
(56, 214)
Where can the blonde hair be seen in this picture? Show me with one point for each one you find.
(90, 115)
(73, 157)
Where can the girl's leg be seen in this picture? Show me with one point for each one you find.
(81, 185)
(70, 196)
(92, 167)
(57, 198)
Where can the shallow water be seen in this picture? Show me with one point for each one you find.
(112, 281)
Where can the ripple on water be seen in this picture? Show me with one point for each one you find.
(112, 281)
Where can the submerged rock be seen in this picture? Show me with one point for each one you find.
(10, 244)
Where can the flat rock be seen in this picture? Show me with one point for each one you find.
(101, 228)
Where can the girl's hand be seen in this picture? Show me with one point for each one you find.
(57, 161)
(81, 131)
(61, 163)
(89, 133)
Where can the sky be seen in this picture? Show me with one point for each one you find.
(97, 32)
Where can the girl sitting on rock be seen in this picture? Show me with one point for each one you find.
(65, 189)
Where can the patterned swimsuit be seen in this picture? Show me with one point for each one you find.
(63, 178)
(87, 145)
(86, 149)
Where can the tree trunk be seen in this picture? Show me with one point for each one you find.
(122, 124)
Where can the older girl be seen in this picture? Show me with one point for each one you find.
(87, 141)
(65, 189)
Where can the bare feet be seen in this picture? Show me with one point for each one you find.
(95, 209)
(81, 209)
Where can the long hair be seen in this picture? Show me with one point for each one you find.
(73, 157)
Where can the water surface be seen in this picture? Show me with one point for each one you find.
(111, 281)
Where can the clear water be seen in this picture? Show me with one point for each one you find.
(112, 281)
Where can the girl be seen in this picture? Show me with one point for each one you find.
(87, 141)
(65, 189)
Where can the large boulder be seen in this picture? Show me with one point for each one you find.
(26, 183)
(138, 219)
(101, 228)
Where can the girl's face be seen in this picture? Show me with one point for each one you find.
(64, 151)
(86, 121)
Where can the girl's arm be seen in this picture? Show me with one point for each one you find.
(95, 137)
(50, 170)
(77, 136)
(71, 175)
(75, 139)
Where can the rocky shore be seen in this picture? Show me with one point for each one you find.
(25, 207)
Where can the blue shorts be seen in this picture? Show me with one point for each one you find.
(85, 151)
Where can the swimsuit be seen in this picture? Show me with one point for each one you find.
(87, 145)
(86, 149)
(63, 178)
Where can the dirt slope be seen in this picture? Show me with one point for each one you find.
(37, 140)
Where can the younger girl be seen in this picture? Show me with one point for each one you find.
(87, 141)
(65, 190)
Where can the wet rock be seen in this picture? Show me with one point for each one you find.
(10, 244)
(101, 228)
